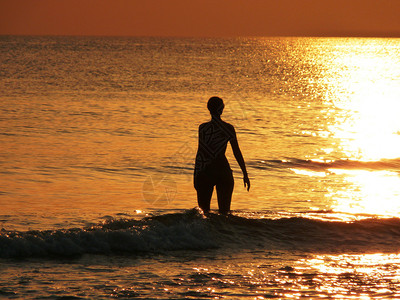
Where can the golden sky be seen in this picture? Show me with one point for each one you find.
(201, 17)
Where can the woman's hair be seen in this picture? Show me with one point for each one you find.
(215, 105)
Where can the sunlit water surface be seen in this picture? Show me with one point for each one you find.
(96, 130)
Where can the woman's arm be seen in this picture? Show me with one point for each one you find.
(240, 160)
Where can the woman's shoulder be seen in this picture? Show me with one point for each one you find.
(228, 127)
(205, 124)
(220, 123)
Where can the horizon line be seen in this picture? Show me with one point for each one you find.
(337, 35)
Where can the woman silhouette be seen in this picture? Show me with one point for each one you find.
(211, 166)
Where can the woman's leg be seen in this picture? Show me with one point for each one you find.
(224, 192)
(204, 190)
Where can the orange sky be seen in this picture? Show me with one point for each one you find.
(201, 17)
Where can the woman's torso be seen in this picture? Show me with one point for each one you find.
(213, 139)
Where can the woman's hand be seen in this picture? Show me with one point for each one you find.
(246, 181)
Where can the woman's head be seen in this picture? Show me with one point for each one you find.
(215, 105)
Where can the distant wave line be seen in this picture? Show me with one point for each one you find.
(384, 164)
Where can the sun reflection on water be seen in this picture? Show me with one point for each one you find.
(366, 126)
(368, 192)
(367, 275)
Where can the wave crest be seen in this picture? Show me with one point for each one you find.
(191, 230)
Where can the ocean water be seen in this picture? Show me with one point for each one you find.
(97, 144)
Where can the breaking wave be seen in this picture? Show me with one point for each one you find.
(191, 230)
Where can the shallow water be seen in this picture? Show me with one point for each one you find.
(98, 138)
